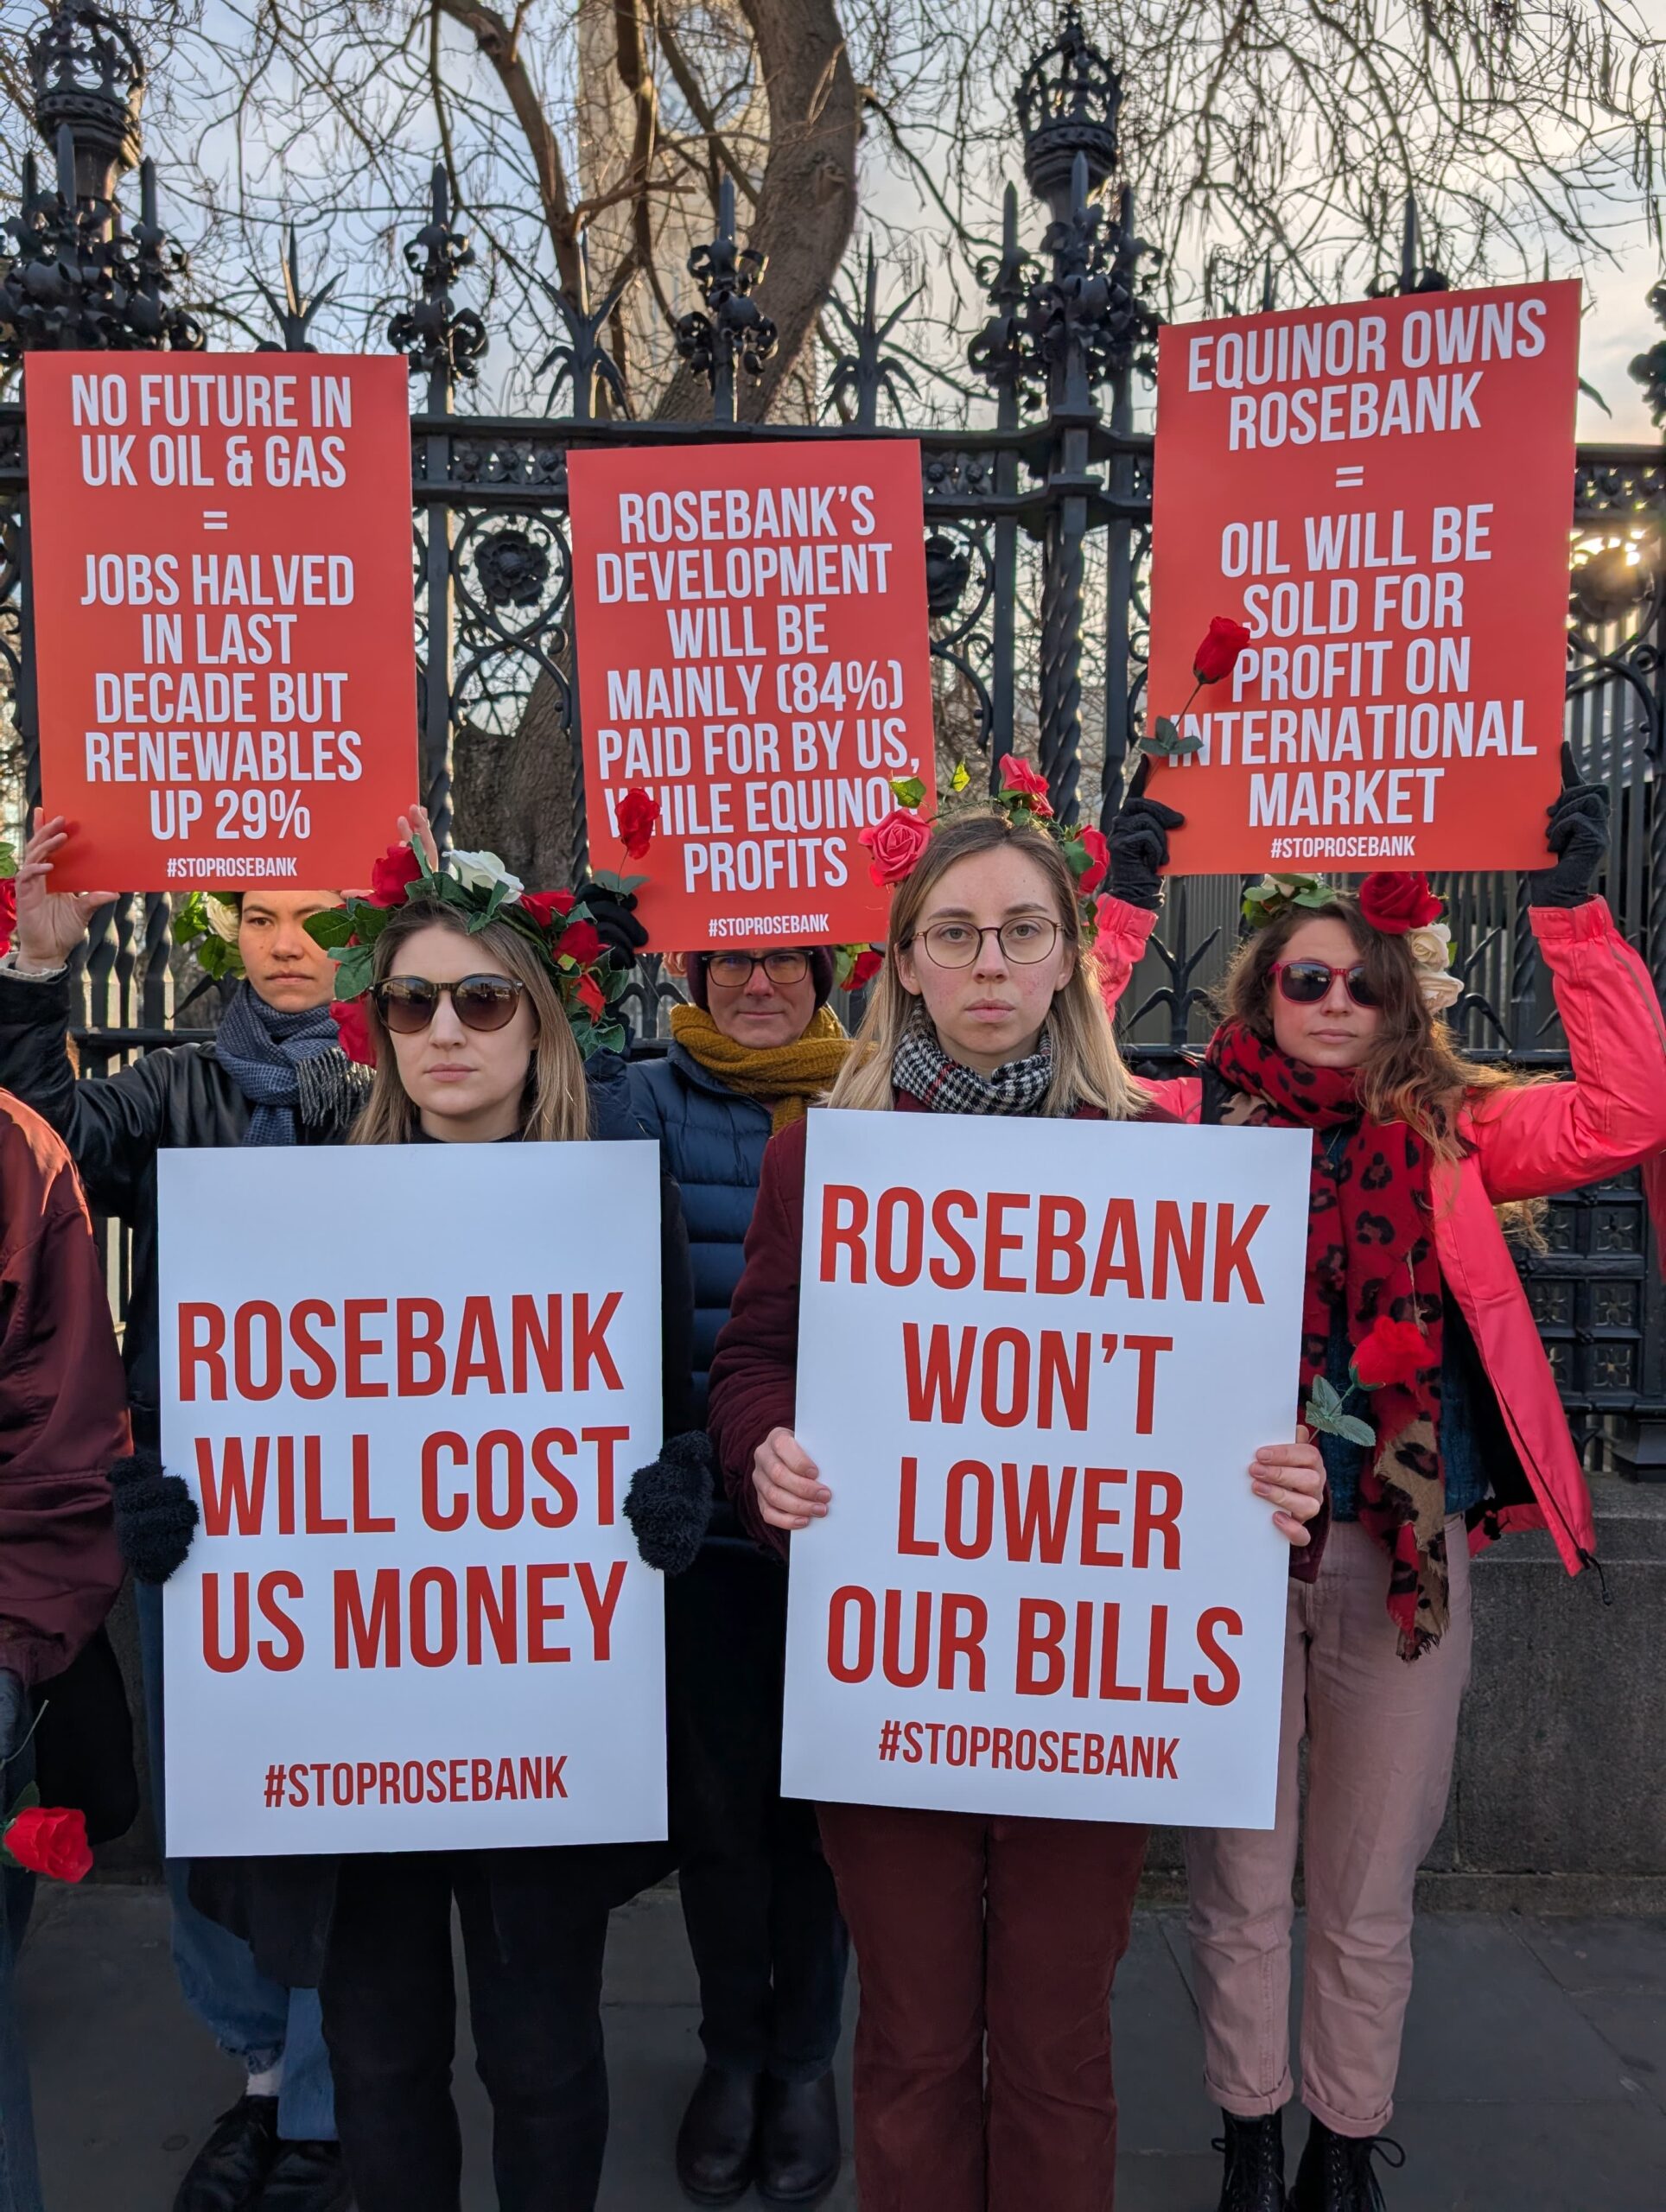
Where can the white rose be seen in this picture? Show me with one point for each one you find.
(1429, 947)
(1440, 991)
(222, 917)
(483, 872)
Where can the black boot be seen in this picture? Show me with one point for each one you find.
(307, 2178)
(798, 2140)
(1254, 2180)
(229, 2172)
(1336, 2175)
(713, 2144)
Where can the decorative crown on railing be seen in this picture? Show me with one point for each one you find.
(86, 70)
(438, 343)
(1068, 102)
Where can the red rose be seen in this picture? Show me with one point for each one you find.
(581, 941)
(1393, 1351)
(1396, 900)
(896, 844)
(1017, 775)
(590, 992)
(1092, 876)
(392, 875)
(545, 905)
(353, 1030)
(638, 817)
(869, 961)
(51, 1839)
(7, 913)
(1217, 656)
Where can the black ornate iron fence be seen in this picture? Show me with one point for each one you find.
(1037, 532)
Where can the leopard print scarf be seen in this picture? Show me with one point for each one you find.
(1371, 1251)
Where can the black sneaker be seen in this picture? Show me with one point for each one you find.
(1254, 2180)
(307, 2178)
(229, 2172)
(1336, 2174)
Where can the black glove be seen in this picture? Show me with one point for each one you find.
(669, 1502)
(1138, 847)
(1577, 833)
(613, 914)
(156, 1515)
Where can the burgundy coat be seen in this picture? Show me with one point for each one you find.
(63, 1407)
(754, 1370)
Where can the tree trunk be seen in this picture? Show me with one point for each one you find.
(807, 200)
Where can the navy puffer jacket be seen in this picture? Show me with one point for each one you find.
(711, 1142)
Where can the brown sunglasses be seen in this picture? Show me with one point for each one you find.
(408, 1003)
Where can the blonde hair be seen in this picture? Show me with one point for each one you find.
(555, 1108)
(1087, 1068)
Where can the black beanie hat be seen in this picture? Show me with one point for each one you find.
(821, 972)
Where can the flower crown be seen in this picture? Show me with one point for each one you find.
(1396, 903)
(478, 885)
(898, 843)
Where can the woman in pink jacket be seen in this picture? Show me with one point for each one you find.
(1420, 1359)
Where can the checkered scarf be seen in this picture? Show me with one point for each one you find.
(924, 1071)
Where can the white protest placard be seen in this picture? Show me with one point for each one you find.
(1035, 1360)
(408, 1386)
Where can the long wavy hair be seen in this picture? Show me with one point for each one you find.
(1087, 1068)
(1414, 1072)
(555, 1106)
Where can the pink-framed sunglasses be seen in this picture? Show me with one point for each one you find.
(1305, 982)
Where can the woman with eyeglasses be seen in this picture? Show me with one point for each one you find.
(756, 1044)
(473, 1041)
(985, 1947)
(1418, 1322)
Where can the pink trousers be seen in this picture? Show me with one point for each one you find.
(1380, 1740)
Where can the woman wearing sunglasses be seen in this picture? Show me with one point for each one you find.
(985, 1947)
(1417, 1320)
(756, 1043)
(475, 1033)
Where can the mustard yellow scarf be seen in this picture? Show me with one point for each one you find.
(783, 1078)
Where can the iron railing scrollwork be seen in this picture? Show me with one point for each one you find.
(1036, 533)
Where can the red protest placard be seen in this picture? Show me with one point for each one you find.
(221, 549)
(753, 653)
(1380, 493)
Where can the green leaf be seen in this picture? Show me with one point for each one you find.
(960, 780)
(1356, 1431)
(1185, 745)
(353, 972)
(606, 879)
(8, 861)
(1324, 1394)
(908, 791)
(1321, 895)
(1167, 735)
(329, 930)
(1080, 859)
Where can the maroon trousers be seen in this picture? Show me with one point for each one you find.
(975, 1934)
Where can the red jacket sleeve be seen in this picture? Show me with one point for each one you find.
(1552, 1136)
(754, 1370)
(63, 1408)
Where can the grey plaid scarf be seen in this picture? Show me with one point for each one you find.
(924, 1071)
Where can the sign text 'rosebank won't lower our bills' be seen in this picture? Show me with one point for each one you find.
(1044, 1583)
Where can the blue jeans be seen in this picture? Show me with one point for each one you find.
(20, 2177)
(256, 2019)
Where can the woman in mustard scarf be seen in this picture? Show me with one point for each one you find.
(757, 1043)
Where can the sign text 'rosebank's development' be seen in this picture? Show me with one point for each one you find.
(223, 568)
(1044, 1585)
(1379, 493)
(752, 652)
